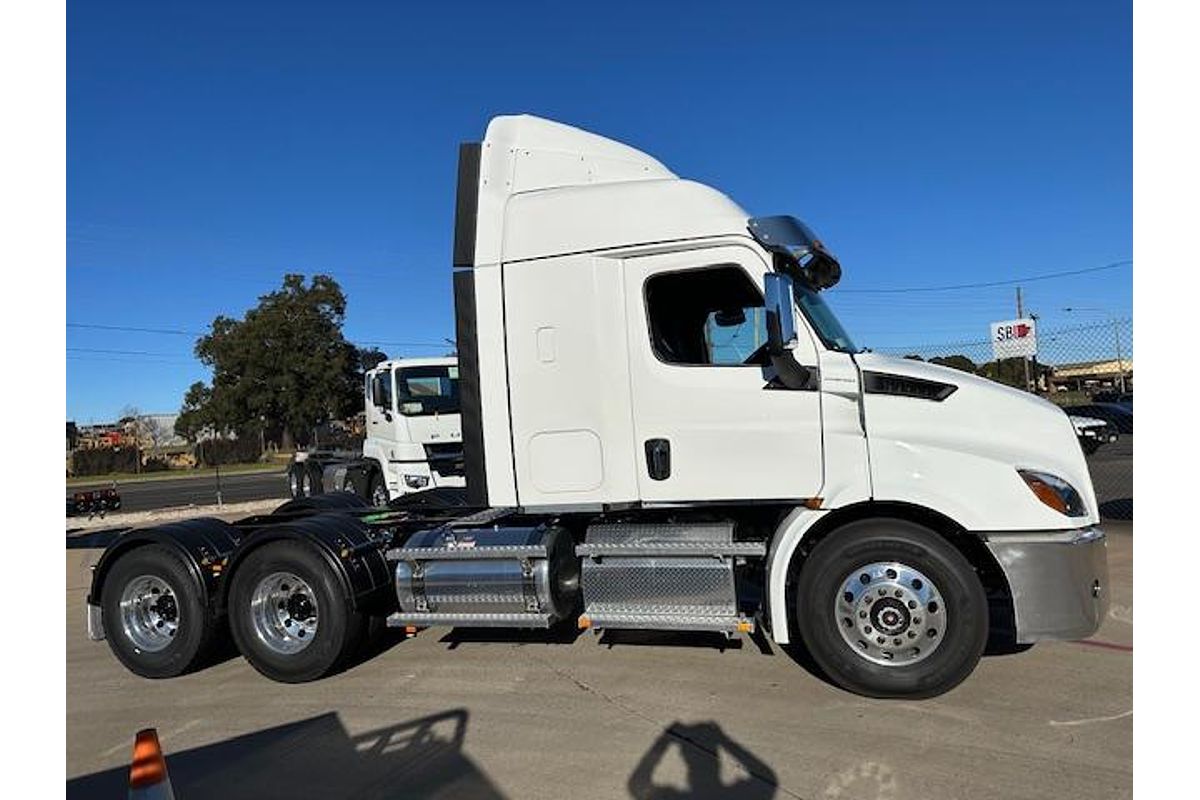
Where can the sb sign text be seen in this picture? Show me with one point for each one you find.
(1014, 338)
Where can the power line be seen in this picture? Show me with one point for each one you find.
(125, 328)
(177, 332)
(987, 284)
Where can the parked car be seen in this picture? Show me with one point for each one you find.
(1093, 432)
(1121, 398)
(1115, 414)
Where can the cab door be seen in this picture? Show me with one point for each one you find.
(381, 406)
(710, 423)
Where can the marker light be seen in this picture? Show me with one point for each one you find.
(1054, 492)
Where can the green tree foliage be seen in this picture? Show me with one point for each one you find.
(284, 367)
(958, 362)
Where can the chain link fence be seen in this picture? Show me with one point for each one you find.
(1087, 369)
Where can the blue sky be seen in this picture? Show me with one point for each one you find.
(212, 147)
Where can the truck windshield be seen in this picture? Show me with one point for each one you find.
(823, 320)
(421, 391)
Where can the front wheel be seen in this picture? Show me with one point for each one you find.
(888, 608)
(289, 615)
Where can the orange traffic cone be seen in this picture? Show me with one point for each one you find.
(148, 774)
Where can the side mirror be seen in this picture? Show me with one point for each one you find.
(379, 397)
(781, 333)
(781, 325)
(730, 318)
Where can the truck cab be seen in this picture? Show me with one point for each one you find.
(413, 425)
(413, 437)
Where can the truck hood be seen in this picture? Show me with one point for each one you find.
(963, 451)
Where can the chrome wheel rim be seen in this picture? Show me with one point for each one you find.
(306, 484)
(149, 613)
(294, 484)
(379, 496)
(890, 613)
(284, 610)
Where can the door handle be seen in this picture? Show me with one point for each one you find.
(658, 459)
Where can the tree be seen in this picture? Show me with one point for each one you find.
(369, 357)
(284, 368)
(959, 362)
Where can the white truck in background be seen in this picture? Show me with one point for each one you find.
(631, 465)
(413, 437)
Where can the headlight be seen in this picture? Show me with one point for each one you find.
(1054, 492)
(416, 481)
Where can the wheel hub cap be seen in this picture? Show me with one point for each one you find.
(284, 611)
(149, 613)
(890, 613)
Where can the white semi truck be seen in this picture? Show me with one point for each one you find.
(413, 437)
(665, 427)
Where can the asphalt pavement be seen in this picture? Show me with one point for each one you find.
(1112, 476)
(159, 493)
(494, 714)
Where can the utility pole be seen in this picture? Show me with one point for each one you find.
(1120, 359)
(1021, 315)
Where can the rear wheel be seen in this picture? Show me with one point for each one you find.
(378, 493)
(289, 616)
(154, 619)
(310, 480)
(296, 481)
(1090, 446)
(888, 608)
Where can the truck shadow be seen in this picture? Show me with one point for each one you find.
(556, 634)
(317, 757)
(703, 747)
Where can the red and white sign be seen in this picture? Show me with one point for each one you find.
(1014, 338)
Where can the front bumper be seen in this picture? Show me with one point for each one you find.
(1058, 581)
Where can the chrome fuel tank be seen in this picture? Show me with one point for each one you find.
(511, 577)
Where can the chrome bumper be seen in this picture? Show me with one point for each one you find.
(1058, 581)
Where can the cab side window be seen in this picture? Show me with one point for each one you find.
(706, 317)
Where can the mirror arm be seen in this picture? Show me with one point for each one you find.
(792, 374)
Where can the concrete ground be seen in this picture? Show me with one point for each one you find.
(461, 714)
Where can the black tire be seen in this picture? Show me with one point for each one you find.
(1090, 446)
(198, 628)
(376, 489)
(315, 472)
(295, 482)
(820, 584)
(340, 630)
